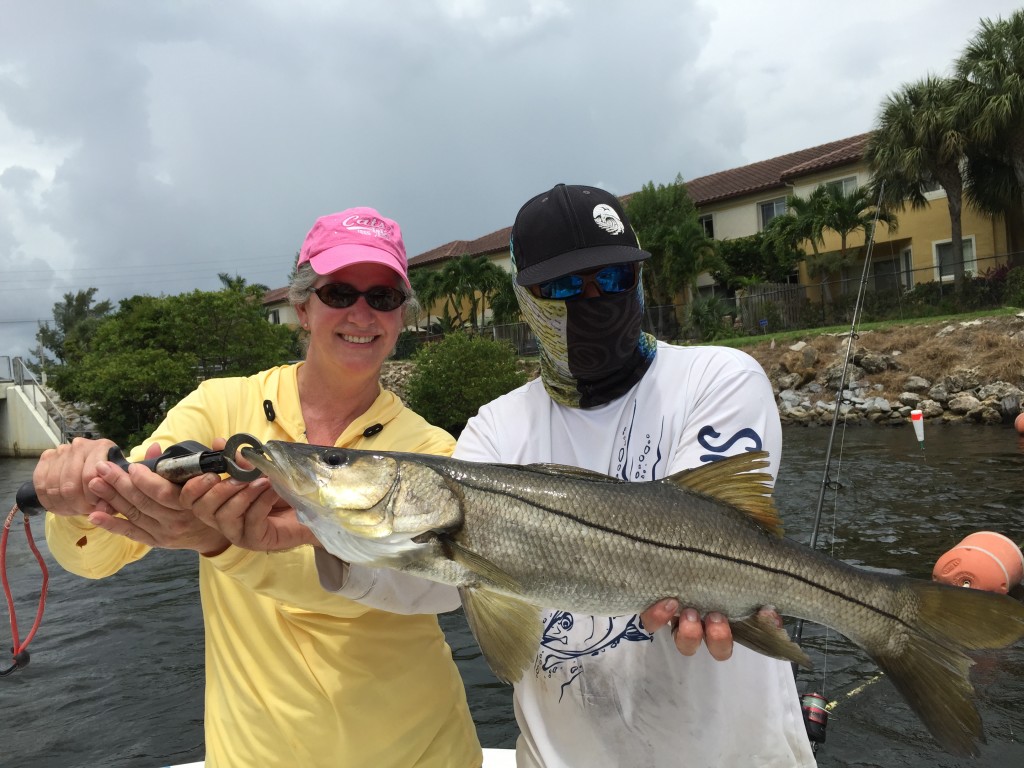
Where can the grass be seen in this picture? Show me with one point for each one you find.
(782, 337)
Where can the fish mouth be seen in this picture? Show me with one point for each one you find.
(284, 464)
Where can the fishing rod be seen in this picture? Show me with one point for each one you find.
(815, 706)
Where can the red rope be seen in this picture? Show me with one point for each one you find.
(18, 646)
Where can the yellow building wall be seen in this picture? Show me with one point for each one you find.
(918, 229)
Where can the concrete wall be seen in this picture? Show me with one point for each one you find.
(24, 430)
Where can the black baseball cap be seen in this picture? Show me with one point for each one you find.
(571, 228)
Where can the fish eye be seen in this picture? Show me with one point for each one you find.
(334, 459)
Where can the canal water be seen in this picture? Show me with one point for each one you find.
(116, 675)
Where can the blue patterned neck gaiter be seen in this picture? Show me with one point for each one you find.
(593, 350)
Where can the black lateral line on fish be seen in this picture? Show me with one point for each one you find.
(694, 550)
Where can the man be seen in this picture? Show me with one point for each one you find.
(610, 398)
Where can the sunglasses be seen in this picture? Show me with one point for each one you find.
(615, 278)
(382, 298)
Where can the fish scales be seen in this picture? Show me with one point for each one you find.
(599, 542)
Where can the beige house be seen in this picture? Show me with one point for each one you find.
(739, 202)
(279, 310)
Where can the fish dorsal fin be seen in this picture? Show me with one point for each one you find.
(564, 470)
(731, 481)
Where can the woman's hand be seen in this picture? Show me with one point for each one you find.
(249, 515)
(142, 506)
(62, 476)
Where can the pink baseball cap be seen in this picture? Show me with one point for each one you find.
(354, 236)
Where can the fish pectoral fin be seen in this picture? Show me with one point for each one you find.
(481, 566)
(506, 629)
(759, 633)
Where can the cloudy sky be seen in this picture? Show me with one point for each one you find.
(146, 147)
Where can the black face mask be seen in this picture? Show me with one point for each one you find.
(592, 350)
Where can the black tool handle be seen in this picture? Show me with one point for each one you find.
(178, 463)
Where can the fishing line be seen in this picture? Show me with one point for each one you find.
(815, 711)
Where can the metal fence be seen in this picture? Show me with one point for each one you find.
(892, 290)
(38, 396)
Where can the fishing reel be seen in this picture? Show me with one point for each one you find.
(815, 710)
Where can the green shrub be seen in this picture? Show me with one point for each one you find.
(706, 318)
(455, 376)
(1014, 287)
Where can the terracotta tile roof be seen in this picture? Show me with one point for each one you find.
(768, 174)
(736, 182)
(488, 244)
(276, 296)
(441, 253)
(851, 151)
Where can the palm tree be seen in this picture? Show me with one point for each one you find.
(239, 284)
(666, 224)
(921, 139)
(855, 212)
(428, 285)
(990, 91)
(805, 223)
(504, 304)
(471, 279)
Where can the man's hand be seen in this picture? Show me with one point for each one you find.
(689, 631)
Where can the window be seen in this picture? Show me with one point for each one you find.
(845, 186)
(907, 255)
(893, 274)
(707, 223)
(274, 317)
(944, 258)
(771, 209)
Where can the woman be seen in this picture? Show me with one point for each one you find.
(295, 675)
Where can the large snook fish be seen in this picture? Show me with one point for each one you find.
(513, 538)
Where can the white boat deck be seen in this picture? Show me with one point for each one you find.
(493, 758)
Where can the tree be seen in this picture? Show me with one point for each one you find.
(666, 224)
(990, 94)
(758, 258)
(804, 223)
(504, 304)
(920, 139)
(240, 285)
(153, 351)
(75, 320)
(848, 214)
(427, 283)
(472, 280)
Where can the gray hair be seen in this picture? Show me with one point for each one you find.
(301, 288)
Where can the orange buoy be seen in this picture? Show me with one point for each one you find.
(1019, 423)
(984, 560)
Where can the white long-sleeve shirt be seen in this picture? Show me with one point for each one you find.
(603, 691)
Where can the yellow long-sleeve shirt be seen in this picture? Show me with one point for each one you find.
(296, 675)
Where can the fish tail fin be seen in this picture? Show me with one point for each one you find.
(930, 667)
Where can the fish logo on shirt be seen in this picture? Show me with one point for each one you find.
(568, 638)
